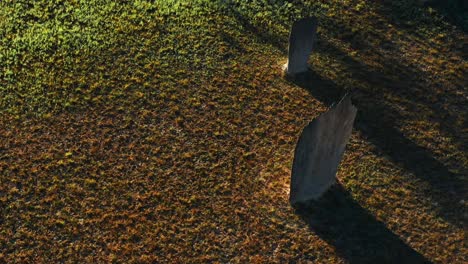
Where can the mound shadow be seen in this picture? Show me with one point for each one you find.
(356, 235)
(377, 120)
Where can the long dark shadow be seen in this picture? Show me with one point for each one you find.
(263, 36)
(409, 85)
(453, 11)
(357, 236)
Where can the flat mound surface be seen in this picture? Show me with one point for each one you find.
(141, 132)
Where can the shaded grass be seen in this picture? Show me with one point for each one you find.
(164, 132)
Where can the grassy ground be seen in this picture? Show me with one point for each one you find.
(164, 132)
